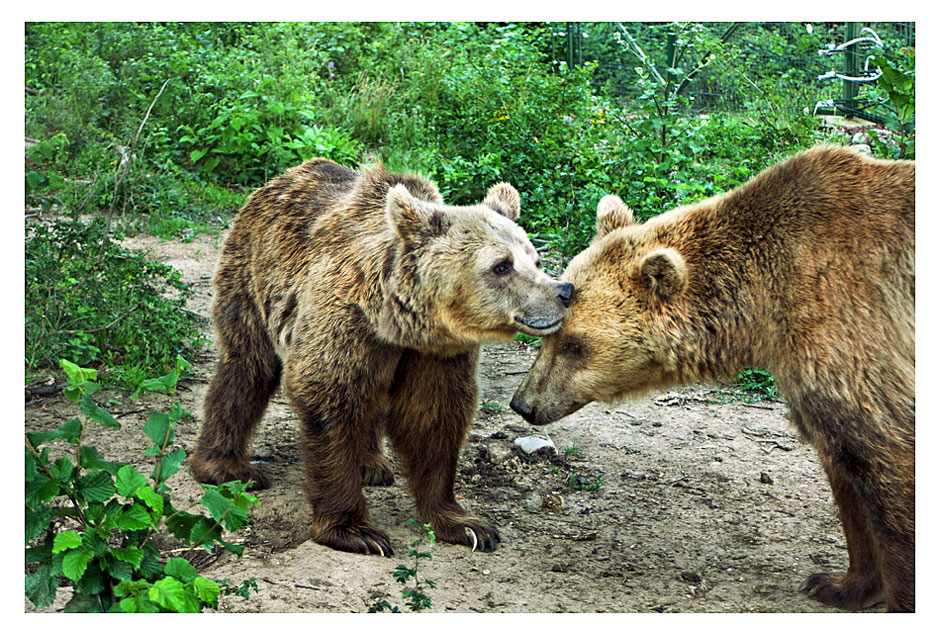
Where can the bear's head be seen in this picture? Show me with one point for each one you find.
(465, 275)
(620, 336)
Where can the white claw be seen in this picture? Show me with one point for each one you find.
(474, 535)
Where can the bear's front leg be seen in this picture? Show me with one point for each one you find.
(433, 402)
(339, 404)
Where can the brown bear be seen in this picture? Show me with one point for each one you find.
(807, 270)
(367, 298)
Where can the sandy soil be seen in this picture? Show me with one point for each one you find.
(705, 504)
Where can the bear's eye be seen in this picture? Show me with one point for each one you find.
(571, 348)
(502, 268)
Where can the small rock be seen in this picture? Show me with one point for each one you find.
(691, 577)
(498, 453)
(533, 502)
(656, 424)
(534, 444)
(765, 478)
(553, 501)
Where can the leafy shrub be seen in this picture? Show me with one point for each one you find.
(259, 136)
(92, 301)
(897, 83)
(93, 522)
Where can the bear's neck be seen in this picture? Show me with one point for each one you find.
(403, 314)
(735, 311)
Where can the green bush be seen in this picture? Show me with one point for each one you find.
(93, 302)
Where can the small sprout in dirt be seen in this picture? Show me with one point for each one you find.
(415, 598)
(584, 483)
(380, 606)
(554, 469)
(574, 451)
(243, 591)
(492, 405)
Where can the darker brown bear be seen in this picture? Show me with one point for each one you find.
(367, 298)
(807, 270)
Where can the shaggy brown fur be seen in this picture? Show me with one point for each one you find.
(807, 270)
(367, 298)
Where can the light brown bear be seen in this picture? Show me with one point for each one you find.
(808, 270)
(367, 298)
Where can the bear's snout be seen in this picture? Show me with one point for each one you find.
(564, 292)
(522, 408)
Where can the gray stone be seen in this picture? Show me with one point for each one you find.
(534, 444)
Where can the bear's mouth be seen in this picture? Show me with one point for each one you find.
(539, 326)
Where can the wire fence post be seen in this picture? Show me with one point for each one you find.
(850, 67)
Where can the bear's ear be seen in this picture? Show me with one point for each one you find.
(665, 271)
(410, 216)
(612, 214)
(503, 199)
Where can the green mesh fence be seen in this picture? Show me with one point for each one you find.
(744, 66)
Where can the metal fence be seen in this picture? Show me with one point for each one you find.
(734, 67)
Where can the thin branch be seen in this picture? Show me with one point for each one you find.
(126, 158)
(97, 329)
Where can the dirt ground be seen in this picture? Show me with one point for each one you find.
(700, 503)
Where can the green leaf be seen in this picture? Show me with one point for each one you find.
(36, 521)
(135, 518)
(96, 487)
(129, 481)
(153, 500)
(131, 555)
(224, 510)
(83, 603)
(120, 570)
(158, 431)
(61, 470)
(197, 154)
(41, 586)
(97, 414)
(77, 374)
(75, 562)
(93, 581)
(69, 539)
(40, 491)
(169, 593)
(181, 569)
(70, 431)
(89, 458)
(169, 465)
(151, 567)
(168, 382)
(180, 524)
(206, 589)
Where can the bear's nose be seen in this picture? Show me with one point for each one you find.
(565, 290)
(522, 408)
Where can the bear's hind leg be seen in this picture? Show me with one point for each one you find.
(861, 586)
(433, 404)
(246, 375)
